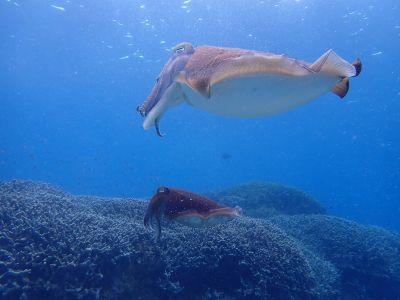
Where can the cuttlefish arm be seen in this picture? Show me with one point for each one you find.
(166, 92)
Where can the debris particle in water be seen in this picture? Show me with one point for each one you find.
(377, 53)
(124, 57)
(58, 7)
(116, 22)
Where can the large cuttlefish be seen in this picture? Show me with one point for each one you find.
(243, 83)
(186, 208)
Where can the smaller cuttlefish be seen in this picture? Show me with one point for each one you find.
(186, 208)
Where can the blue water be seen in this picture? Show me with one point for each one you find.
(73, 72)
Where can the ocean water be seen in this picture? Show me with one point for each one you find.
(72, 73)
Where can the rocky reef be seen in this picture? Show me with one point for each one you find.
(57, 245)
(367, 257)
(265, 199)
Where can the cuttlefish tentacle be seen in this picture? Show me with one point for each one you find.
(153, 215)
(157, 125)
(158, 228)
(186, 208)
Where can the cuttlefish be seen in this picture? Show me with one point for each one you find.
(186, 208)
(243, 83)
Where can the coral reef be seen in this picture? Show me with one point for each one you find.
(368, 257)
(56, 245)
(263, 199)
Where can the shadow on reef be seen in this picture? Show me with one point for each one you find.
(56, 245)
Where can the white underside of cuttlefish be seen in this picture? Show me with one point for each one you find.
(215, 217)
(259, 95)
(245, 84)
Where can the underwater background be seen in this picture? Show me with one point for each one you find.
(73, 72)
(311, 181)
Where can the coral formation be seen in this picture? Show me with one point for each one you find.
(56, 245)
(368, 257)
(264, 199)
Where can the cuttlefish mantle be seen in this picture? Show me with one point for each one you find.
(243, 83)
(186, 208)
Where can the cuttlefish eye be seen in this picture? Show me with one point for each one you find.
(162, 190)
(180, 49)
(184, 47)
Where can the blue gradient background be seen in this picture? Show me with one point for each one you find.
(68, 100)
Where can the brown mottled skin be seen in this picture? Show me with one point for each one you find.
(176, 201)
(209, 65)
(205, 61)
(173, 202)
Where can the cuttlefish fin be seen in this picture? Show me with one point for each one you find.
(358, 66)
(341, 88)
(200, 86)
(181, 77)
(332, 63)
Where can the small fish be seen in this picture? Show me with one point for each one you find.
(226, 156)
(186, 208)
(243, 83)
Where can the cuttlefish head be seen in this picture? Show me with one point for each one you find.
(165, 92)
(186, 208)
